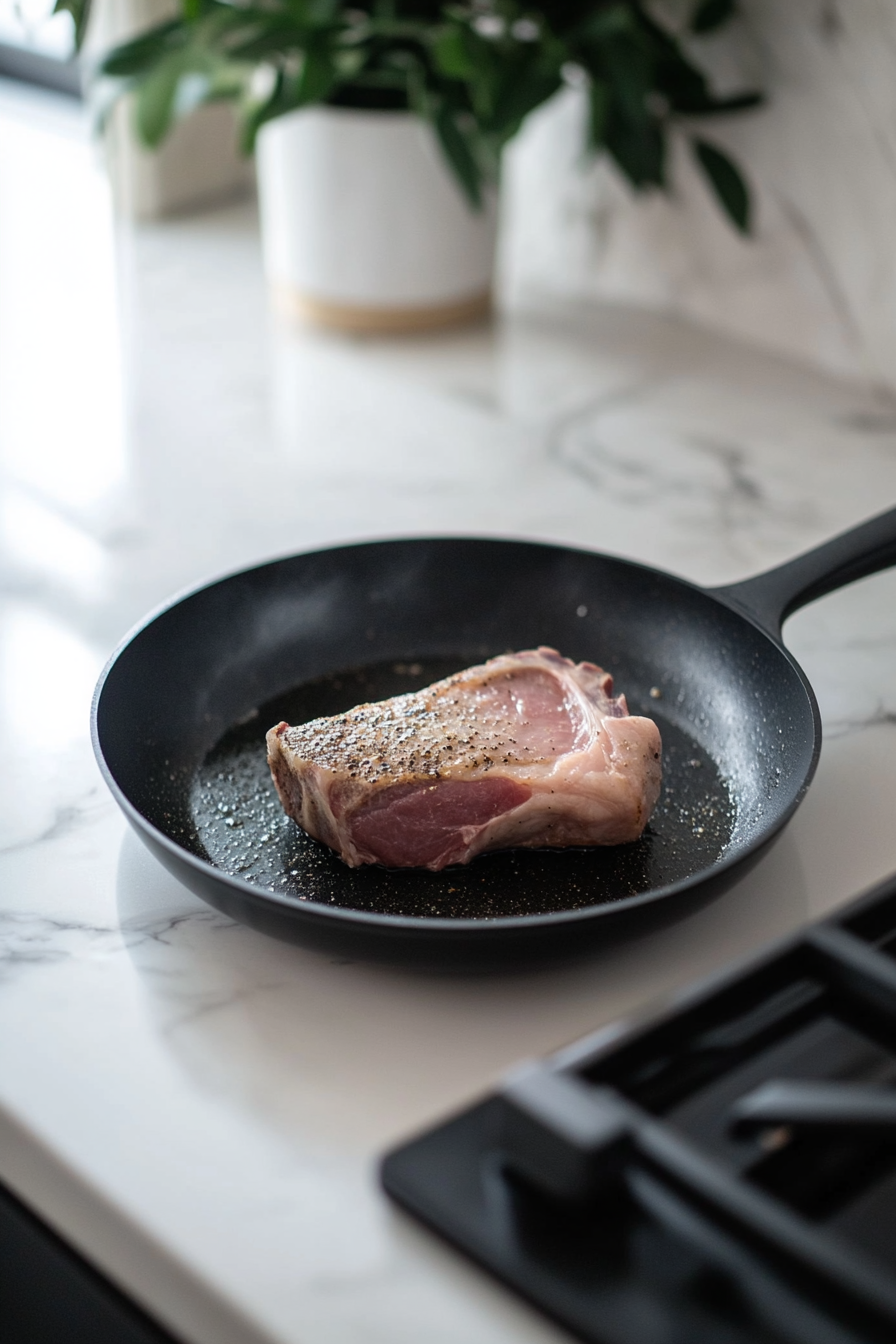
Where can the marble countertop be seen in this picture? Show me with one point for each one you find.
(196, 1106)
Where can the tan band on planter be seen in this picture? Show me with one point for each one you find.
(345, 317)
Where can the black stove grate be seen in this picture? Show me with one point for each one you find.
(722, 1174)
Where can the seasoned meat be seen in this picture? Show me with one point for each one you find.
(527, 749)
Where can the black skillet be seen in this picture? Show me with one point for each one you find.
(181, 710)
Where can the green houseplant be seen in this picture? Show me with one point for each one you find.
(472, 71)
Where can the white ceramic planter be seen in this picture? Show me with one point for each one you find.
(363, 225)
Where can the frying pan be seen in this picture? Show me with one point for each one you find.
(181, 709)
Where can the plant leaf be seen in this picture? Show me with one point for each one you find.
(459, 155)
(144, 52)
(711, 14)
(521, 87)
(725, 178)
(318, 75)
(639, 149)
(598, 113)
(629, 72)
(255, 114)
(80, 12)
(156, 104)
(452, 55)
(720, 106)
(607, 22)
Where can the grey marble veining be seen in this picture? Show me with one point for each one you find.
(199, 1107)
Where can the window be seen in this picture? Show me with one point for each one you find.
(38, 46)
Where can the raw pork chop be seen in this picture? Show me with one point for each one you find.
(527, 749)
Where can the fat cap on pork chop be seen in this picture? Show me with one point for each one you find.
(529, 749)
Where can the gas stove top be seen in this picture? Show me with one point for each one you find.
(722, 1174)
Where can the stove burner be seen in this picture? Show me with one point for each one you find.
(725, 1174)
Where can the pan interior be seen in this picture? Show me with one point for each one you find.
(237, 822)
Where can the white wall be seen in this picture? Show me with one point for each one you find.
(819, 280)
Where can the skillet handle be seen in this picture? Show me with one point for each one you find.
(771, 597)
